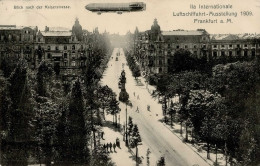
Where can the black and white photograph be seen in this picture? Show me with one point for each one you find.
(129, 82)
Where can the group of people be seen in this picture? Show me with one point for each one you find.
(108, 146)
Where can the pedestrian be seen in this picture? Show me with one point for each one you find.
(137, 109)
(148, 107)
(107, 147)
(102, 135)
(110, 145)
(114, 146)
(117, 142)
(104, 147)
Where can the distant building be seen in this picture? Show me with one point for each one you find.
(154, 48)
(17, 42)
(64, 49)
(245, 46)
(61, 49)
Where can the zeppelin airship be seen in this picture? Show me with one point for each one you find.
(116, 7)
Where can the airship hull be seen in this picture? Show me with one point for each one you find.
(116, 7)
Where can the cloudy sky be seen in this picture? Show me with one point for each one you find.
(113, 23)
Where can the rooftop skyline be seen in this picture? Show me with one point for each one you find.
(115, 23)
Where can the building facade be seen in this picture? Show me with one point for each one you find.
(154, 49)
(17, 42)
(242, 46)
(65, 50)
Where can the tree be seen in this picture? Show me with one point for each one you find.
(21, 115)
(162, 89)
(57, 68)
(6, 67)
(77, 140)
(46, 122)
(5, 105)
(136, 73)
(135, 140)
(130, 127)
(43, 77)
(114, 109)
(181, 61)
(105, 95)
(172, 111)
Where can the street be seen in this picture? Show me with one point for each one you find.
(155, 136)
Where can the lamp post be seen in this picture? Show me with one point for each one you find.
(126, 133)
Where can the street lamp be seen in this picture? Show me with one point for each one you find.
(126, 133)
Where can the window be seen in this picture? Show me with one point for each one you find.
(230, 45)
(222, 53)
(160, 62)
(73, 55)
(215, 46)
(186, 46)
(238, 53)
(230, 53)
(73, 47)
(245, 45)
(73, 63)
(49, 48)
(65, 47)
(245, 53)
(238, 46)
(160, 70)
(39, 39)
(57, 48)
(253, 53)
(65, 55)
(195, 46)
(49, 56)
(222, 46)
(215, 54)
(65, 63)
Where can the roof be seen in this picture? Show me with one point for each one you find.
(182, 33)
(234, 36)
(58, 29)
(56, 33)
(14, 27)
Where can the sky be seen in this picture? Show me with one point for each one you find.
(162, 10)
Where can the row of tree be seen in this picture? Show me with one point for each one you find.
(221, 108)
(134, 136)
(44, 120)
(134, 67)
